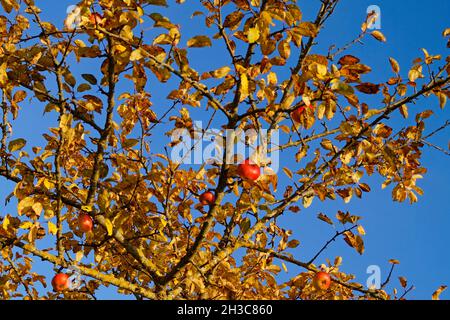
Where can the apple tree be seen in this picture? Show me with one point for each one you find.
(99, 194)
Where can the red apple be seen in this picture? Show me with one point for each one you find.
(296, 114)
(60, 282)
(249, 171)
(85, 222)
(207, 198)
(96, 18)
(322, 280)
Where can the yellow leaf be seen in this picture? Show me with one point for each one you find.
(24, 203)
(66, 121)
(293, 244)
(342, 88)
(109, 227)
(361, 230)
(163, 39)
(19, 96)
(244, 87)
(378, 35)
(327, 145)
(52, 229)
(307, 201)
(199, 42)
(404, 110)
(307, 29)
(37, 208)
(89, 78)
(413, 75)
(5, 223)
(394, 261)
(284, 49)
(233, 20)
(372, 112)
(136, 55)
(130, 143)
(84, 87)
(442, 99)
(16, 145)
(325, 218)
(403, 281)
(3, 74)
(221, 72)
(8, 5)
(394, 64)
(288, 172)
(253, 35)
(26, 225)
(436, 294)
(272, 78)
(86, 208)
(79, 256)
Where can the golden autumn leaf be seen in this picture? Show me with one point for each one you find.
(199, 42)
(163, 39)
(378, 35)
(8, 5)
(307, 29)
(403, 281)
(348, 60)
(84, 87)
(288, 172)
(16, 144)
(52, 229)
(368, 88)
(131, 172)
(19, 96)
(342, 88)
(3, 74)
(415, 73)
(394, 261)
(438, 292)
(361, 230)
(442, 99)
(253, 35)
(325, 218)
(90, 78)
(221, 72)
(109, 227)
(404, 110)
(87, 208)
(233, 20)
(136, 55)
(244, 87)
(26, 225)
(354, 241)
(293, 244)
(307, 201)
(394, 65)
(6, 222)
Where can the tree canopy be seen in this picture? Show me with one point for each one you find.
(103, 196)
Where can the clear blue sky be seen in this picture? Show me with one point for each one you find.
(417, 235)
